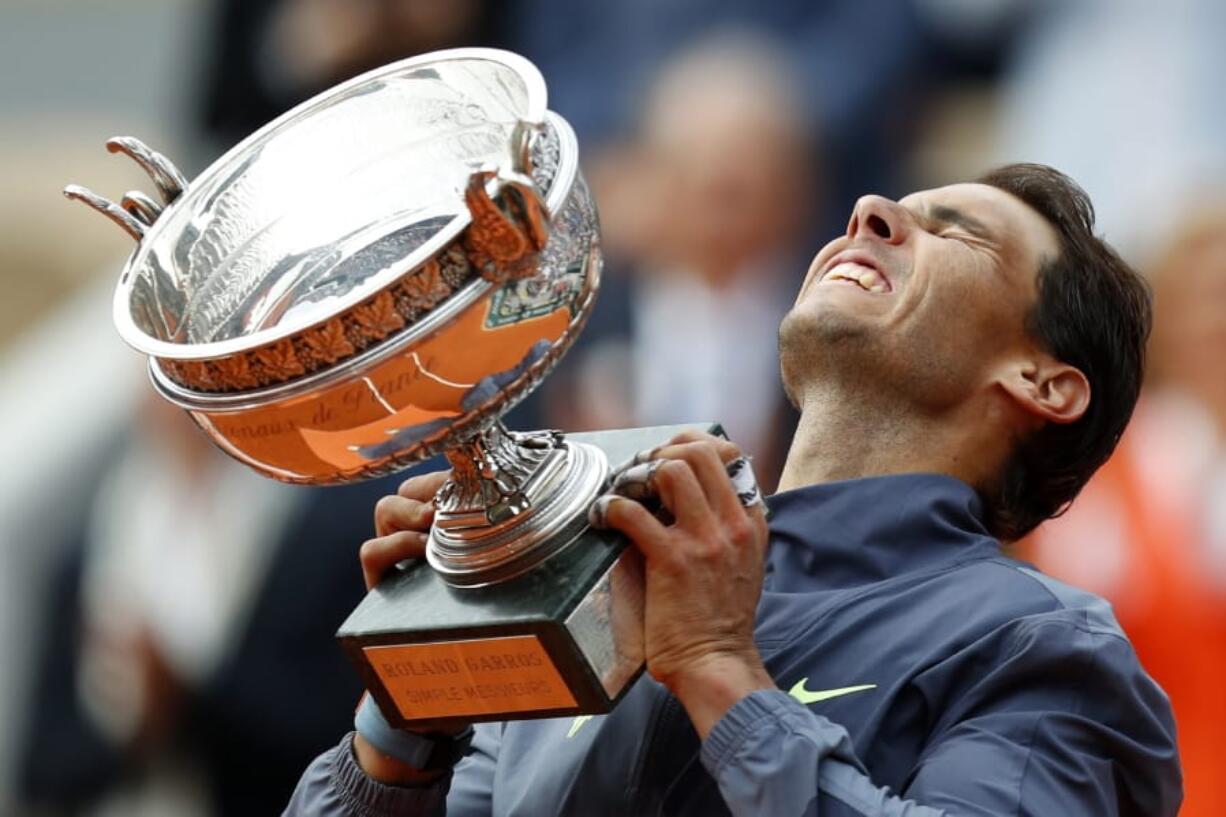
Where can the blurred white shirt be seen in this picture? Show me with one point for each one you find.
(702, 353)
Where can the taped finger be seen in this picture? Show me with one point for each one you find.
(637, 481)
(740, 471)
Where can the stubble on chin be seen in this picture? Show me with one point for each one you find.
(820, 349)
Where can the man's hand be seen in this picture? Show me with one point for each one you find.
(402, 523)
(703, 577)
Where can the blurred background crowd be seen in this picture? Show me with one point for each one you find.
(166, 616)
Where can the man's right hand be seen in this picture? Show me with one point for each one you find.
(402, 523)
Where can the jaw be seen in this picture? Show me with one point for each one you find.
(820, 346)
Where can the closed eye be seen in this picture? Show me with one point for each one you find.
(944, 220)
(954, 235)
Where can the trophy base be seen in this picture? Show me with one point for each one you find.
(565, 638)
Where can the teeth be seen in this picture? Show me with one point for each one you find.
(866, 277)
(871, 281)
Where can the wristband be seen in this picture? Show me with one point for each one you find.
(427, 752)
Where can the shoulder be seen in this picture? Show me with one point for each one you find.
(1011, 589)
(1051, 669)
(985, 601)
(987, 591)
(1053, 647)
(1008, 623)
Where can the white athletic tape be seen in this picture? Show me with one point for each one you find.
(633, 480)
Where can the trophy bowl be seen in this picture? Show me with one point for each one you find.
(374, 278)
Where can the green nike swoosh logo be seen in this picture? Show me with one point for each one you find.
(803, 695)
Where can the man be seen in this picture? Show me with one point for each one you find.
(963, 360)
(1148, 532)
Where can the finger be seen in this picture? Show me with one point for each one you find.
(636, 522)
(640, 458)
(757, 515)
(749, 496)
(379, 555)
(713, 476)
(423, 487)
(681, 493)
(637, 482)
(728, 450)
(758, 529)
(395, 513)
(745, 483)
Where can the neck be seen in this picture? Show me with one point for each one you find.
(841, 437)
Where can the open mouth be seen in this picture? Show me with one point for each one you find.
(856, 268)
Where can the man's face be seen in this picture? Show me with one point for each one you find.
(921, 299)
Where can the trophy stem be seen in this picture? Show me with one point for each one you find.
(514, 499)
(490, 475)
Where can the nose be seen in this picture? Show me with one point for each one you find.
(877, 216)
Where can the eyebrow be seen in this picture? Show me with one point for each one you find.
(950, 215)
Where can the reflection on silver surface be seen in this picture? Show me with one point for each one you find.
(136, 212)
(141, 206)
(129, 223)
(608, 624)
(432, 387)
(513, 501)
(166, 177)
(263, 242)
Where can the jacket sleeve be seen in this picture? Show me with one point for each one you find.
(1067, 724)
(334, 785)
(770, 755)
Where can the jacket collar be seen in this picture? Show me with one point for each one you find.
(852, 532)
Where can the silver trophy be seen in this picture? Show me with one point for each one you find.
(374, 278)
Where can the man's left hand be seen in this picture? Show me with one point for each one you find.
(703, 575)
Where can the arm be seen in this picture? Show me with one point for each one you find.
(357, 777)
(770, 755)
(1067, 724)
(336, 785)
(1031, 744)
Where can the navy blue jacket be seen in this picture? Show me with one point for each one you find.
(920, 672)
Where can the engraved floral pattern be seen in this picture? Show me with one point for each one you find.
(426, 287)
(456, 269)
(378, 316)
(328, 343)
(279, 362)
(191, 371)
(498, 245)
(233, 372)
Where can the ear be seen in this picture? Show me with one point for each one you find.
(1049, 390)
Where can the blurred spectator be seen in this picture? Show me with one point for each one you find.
(268, 55)
(1125, 96)
(708, 204)
(188, 638)
(1149, 532)
(67, 394)
(186, 660)
(857, 67)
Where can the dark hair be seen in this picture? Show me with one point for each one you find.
(1093, 312)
